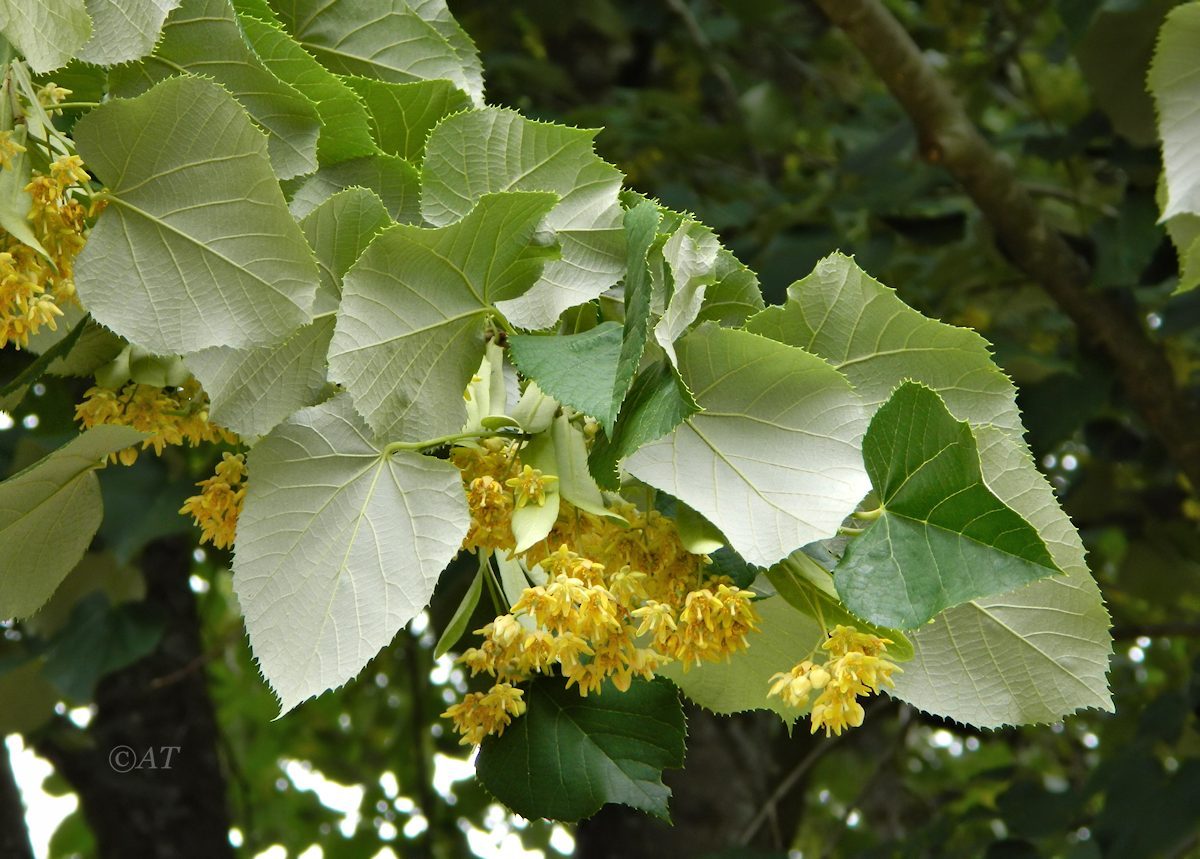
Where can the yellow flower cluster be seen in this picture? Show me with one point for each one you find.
(483, 713)
(485, 468)
(9, 149)
(34, 290)
(217, 506)
(621, 598)
(857, 666)
(169, 415)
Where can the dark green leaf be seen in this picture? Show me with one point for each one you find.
(576, 369)
(568, 756)
(657, 403)
(943, 538)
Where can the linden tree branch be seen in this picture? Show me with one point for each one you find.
(948, 137)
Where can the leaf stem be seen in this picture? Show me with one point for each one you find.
(70, 105)
(850, 532)
(395, 446)
(869, 515)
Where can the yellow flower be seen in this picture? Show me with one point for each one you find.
(530, 485)
(168, 416)
(217, 507)
(51, 95)
(482, 713)
(795, 686)
(9, 149)
(714, 625)
(858, 667)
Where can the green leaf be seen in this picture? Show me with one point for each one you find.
(339, 545)
(391, 40)
(1174, 81)
(772, 459)
(533, 522)
(252, 390)
(576, 369)
(403, 115)
(457, 626)
(338, 231)
(410, 328)
(863, 328)
(60, 496)
(28, 697)
(202, 37)
(196, 247)
(124, 30)
(575, 482)
(691, 256)
(785, 636)
(734, 296)
(1046, 642)
(345, 127)
(99, 638)
(943, 538)
(1044, 648)
(396, 182)
(488, 151)
(46, 32)
(641, 227)
(568, 756)
(658, 402)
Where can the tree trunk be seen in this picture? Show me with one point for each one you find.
(147, 770)
(14, 835)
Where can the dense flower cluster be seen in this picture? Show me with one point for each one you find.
(35, 287)
(857, 666)
(217, 506)
(169, 415)
(621, 594)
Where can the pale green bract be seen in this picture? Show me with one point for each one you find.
(488, 151)
(1053, 635)
(196, 247)
(124, 30)
(202, 37)
(57, 498)
(772, 459)
(392, 40)
(410, 330)
(46, 32)
(339, 545)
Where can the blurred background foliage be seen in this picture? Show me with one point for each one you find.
(768, 125)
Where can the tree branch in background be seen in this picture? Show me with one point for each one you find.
(948, 137)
